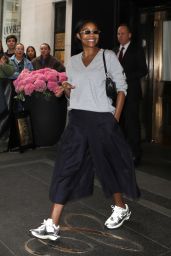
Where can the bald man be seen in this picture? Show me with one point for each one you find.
(132, 59)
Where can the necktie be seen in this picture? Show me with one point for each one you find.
(121, 54)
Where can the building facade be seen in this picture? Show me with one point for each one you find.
(37, 21)
(10, 19)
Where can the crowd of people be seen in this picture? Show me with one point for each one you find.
(99, 138)
(12, 62)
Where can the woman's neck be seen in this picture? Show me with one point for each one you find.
(11, 51)
(87, 52)
(89, 55)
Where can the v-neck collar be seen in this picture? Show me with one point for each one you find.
(91, 60)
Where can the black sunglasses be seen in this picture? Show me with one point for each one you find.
(87, 32)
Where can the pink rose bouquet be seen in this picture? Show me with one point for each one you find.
(47, 81)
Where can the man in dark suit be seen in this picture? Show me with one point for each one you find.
(132, 59)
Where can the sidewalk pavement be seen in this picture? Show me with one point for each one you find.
(24, 203)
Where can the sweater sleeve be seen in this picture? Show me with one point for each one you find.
(8, 69)
(115, 71)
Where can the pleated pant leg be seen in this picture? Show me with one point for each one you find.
(73, 175)
(92, 142)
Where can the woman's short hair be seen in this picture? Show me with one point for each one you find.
(81, 23)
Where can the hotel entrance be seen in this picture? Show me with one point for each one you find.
(150, 22)
(155, 31)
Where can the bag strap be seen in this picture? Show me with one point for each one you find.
(104, 62)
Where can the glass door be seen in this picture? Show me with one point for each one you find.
(155, 34)
(162, 78)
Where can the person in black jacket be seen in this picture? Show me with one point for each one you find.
(46, 60)
(132, 59)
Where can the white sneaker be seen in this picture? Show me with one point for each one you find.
(48, 230)
(118, 216)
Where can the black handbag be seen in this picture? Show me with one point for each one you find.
(111, 90)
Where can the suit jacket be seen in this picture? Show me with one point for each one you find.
(134, 65)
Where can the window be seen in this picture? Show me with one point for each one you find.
(166, 74)
(11, 19)
(60, 13)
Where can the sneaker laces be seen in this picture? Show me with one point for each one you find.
(117, 213)
(51, 227)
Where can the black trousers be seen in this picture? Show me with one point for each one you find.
(92, 143)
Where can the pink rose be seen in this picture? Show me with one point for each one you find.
(41, 77)
(62, 76)
(40, 85)
(28, 79)
(42, 80)
(51, 77)
(51, 85)
(29, 89)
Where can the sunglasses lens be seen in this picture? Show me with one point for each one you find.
(96, 32)
(87, 32)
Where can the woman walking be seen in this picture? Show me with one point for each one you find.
(92, 138)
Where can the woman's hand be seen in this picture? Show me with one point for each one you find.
(117, 118)
(119, 105)
(67, 87)
(59, 91)
(3, 60)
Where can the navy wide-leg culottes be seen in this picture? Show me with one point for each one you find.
(92, 143)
